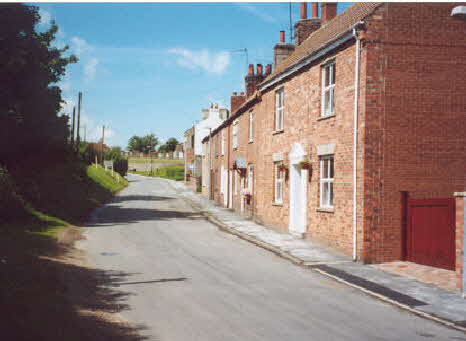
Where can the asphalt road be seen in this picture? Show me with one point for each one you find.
(188, 281)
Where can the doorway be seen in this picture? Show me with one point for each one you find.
(298, 191)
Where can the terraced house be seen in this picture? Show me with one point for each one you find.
(356, 137)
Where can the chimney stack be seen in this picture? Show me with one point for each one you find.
(315, 10)
(282, 36)
(304, 27)
(303, 11)
(328, 11)
(236, 101)
(252, 80)
(282, 50)
(268, 69)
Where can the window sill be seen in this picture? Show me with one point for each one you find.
(325, 209)
(321, 118)
(275, 132)
(277, 204)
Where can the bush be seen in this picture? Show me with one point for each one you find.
(11, 204)
(120, 165)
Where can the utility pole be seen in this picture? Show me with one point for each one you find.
(78, 141)
(102, 145)
(72, 125)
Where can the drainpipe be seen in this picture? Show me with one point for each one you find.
(355, 137)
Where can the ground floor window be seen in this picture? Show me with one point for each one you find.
(326, 181)
(279, 176)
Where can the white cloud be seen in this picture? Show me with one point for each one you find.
(90, 69)
(45, 17)
(213, 63)
(256, 12)
(80, 46)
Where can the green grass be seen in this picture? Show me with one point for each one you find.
(68, 191)
(105, 179)
(147, 160)
(172, 173)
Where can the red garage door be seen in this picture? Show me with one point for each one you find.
(431, 232)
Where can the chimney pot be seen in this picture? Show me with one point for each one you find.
(315, 10)
(235, 93)
(282, 36)
(251, 69)
(259, 69)
(303, 10)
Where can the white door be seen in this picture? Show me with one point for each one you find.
(230, 190)
(298, 191)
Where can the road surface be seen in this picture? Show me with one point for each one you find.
(188, 281)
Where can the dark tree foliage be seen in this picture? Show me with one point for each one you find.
(171, 144)
(144, 144)
(29, 99)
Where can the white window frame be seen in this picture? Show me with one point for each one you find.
(279, 180)
(223, 142)
(250, 177)
(234, 142)
(279, 109)
(328, 89)
(251, 126)
(326, 180)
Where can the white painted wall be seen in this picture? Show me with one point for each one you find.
(201, 130)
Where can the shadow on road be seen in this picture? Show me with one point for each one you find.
(122, 198)
(117, 215)
(45, 296)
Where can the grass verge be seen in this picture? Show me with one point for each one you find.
(172, 173)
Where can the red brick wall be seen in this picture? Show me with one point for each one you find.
(460, 208)
(303, 124)
(415, 115)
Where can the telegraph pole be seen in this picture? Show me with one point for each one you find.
(102, 145)
(72, 125)
(78, 141)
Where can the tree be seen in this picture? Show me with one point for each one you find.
(135, 144)
(171, 144)
(143, 144)
(163, 148)
(29, 97)
(149, 143)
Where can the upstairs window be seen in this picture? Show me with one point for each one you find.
(326, 181)
(279, 109)
(328, 90)
(234, 141)
(251, 126)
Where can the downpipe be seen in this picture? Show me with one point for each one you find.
(355, 136)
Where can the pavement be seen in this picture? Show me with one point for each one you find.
(408, 293)
(181, 277)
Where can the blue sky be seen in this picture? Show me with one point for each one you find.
(151, 67)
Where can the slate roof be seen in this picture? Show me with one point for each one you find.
(327, 33)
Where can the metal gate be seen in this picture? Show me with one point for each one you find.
(431, 232)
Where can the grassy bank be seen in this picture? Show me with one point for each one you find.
(172, 173)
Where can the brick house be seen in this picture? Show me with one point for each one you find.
(359, 126)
